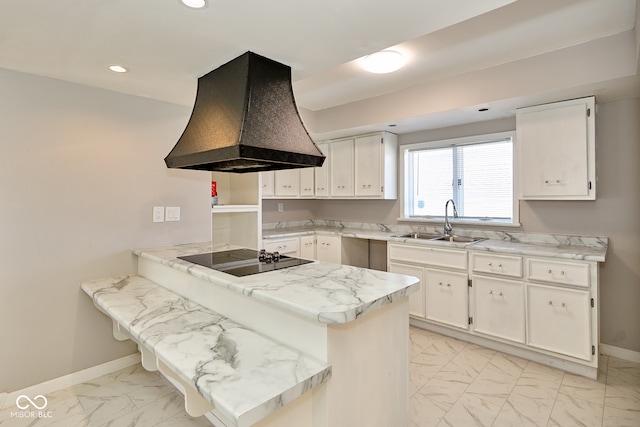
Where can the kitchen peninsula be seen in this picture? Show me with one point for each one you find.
(352, 321)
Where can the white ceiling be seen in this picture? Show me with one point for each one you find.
(450, 45)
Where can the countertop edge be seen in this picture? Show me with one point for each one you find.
(266, 290)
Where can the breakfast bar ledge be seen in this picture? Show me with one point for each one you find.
(352, 321)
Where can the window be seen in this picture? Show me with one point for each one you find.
(476, 172)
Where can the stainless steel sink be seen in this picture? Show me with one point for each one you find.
(436, 238)
(459, 239)
(417, 236)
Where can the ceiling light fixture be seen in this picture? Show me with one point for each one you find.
(385, 61)
(118, 69)
(195, 4)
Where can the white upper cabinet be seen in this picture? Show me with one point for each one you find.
(341, 168)
(267, 183)
(368, 158)
(306, 182)
(287, 183)
(376, 166)
(556, 146)
(364, 167)
(359, 167)
(322, 173)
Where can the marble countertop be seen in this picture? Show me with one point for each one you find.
(557, 246)
(244, 375)
(325, 292)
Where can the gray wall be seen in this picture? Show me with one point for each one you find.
(615, 213)
(80, 170)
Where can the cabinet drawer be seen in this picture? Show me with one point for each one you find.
(427, 255)
(284, 246)
(499, 308)
(559, 320)
(566, 273)
(497, 264)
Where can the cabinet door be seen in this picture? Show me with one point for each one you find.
(368, 166)
(499, 308)
(306, 182)
(556, 146)
(447, 297)
(267, 183)
(559, 320)
(287, 182)
(416, 299)
(322, 173)
(328, 249)
(308, 247)
(342, 168)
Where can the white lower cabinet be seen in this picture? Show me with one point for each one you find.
(308, 247)
(499, 308)
(543, 308)
(447, 297)
(559, 320)
(443, 295)
(328, 249)
(289, 246)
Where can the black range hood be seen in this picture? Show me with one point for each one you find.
(245, 120)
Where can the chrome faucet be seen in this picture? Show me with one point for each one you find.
(447, 224)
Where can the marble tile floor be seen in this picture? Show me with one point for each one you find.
(452, 383)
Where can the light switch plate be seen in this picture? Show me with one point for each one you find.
(172, 213)
(158, 214)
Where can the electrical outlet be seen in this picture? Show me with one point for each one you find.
(172, 213)
(158, 214)
(280, 207)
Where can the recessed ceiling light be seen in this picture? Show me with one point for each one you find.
(118, 69)
(195, 4)
(385, 61)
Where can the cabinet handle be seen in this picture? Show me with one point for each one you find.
(563, 305)
(491, 265)
(499, 293)
(448, 284)
(551, 272)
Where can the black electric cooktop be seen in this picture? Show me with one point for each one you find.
(242, 262)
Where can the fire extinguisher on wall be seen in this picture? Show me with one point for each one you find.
(214, 194)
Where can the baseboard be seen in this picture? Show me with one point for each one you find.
(620, 353)
(8, 399)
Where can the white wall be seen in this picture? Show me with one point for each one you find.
(80, 170)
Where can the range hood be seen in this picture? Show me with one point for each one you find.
(245, 120)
